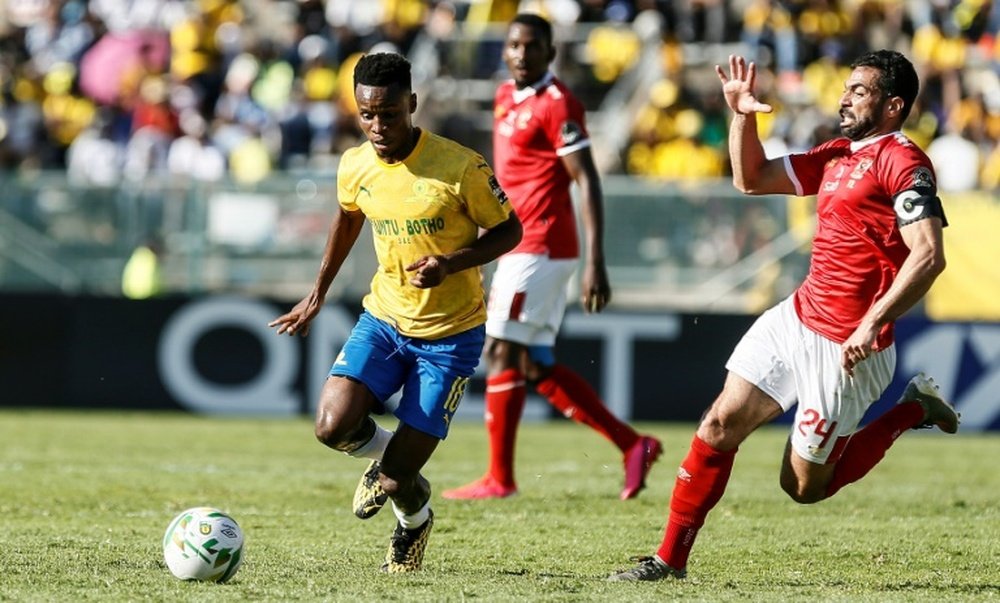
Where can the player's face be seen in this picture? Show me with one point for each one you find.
(526, 54)
(385, 116)
(862, 106)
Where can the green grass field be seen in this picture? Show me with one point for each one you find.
(85, 498)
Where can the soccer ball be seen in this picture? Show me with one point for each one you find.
(203, 543)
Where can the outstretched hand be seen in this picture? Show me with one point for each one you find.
(296, 322)
(738, 86)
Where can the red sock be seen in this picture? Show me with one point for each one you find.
(576, 400)
(868, 446)
(700, 483)
(505, 395)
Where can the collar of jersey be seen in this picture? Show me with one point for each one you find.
(527, 92)
(857, 145)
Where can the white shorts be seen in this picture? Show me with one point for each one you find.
(790, 363)
(528, 298)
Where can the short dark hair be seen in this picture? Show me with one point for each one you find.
(383, 69)
(897, 77)
(539, 23)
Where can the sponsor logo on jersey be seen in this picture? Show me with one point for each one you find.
(415, 226)
(385, 227)
(861, 168)
(427, 192)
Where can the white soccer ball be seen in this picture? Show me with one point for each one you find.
(203, 543)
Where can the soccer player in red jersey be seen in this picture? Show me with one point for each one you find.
(828, 347)
(540, 147)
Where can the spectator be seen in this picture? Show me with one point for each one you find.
(193, 155)
(957, 160)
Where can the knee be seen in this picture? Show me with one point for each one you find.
(332, 432)
(328, 432)
(721, 430)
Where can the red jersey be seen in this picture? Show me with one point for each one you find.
(532, 129)
(857, 249)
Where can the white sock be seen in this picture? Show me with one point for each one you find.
(413, 521)
(375, 447)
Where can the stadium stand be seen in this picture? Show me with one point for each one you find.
(121, 121)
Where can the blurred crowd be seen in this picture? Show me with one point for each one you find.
(803, 49)
(114, 90)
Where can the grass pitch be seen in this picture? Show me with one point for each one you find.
(85, 499)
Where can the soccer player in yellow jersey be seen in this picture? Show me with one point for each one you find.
(437, 214)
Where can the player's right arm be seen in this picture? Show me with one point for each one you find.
(753, 172)
(344, 231)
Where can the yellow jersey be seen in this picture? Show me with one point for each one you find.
(434, 202)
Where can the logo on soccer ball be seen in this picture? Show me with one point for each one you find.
(203, 543)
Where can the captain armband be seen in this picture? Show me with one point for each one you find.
(912, 206)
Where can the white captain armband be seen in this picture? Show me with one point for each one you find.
(912, 206)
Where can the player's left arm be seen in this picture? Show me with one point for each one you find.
(595, 287)
(921, 220)
(431, 270)
(499, 229)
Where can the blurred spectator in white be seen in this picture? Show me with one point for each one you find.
(59, 34)
(93, 159)
(192, 155)
(145, 154)
(956, 161)
(123, 15)
(236, 113)
(354, 24)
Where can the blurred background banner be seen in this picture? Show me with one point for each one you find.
(215, 355)
(969, 289)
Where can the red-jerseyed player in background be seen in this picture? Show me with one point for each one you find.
(540, 147)
(829, 347)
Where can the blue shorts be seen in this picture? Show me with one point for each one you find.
(433, 374)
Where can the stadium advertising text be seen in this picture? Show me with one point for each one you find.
(216, 355)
